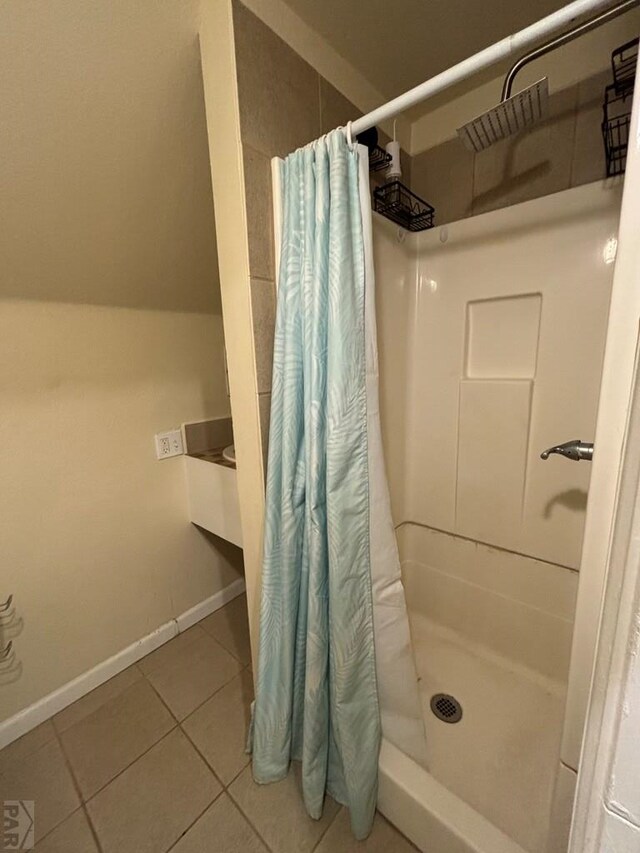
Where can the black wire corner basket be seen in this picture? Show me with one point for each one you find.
(400, 205)
(623, 64)
(615, 129)
(378, 158)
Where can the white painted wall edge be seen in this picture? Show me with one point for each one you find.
(22, 722)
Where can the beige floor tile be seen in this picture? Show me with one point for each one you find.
(149, 806)
(278, 813)
(221, 829)
(41, 776)
(384, 838)
(102, 745)
(31, 742)
(171, 652)
(194, 674)
(90, 703)
(219, 727)
(72, 836)
(230, 627)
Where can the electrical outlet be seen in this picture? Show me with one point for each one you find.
(169, 444)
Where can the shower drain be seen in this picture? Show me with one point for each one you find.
(446, 708)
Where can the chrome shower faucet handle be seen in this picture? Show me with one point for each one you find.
(576, 450)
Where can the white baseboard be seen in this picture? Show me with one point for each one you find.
(210, 605)
(22, 722)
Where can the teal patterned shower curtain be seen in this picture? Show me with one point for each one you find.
(316, 689)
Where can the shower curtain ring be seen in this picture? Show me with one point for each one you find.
(348, 132)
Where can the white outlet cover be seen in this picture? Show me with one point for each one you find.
(169, 444)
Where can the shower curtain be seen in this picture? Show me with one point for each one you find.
(335, 668)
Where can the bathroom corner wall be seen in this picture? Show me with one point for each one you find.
(565, 150)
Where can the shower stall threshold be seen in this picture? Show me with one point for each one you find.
(429, 814)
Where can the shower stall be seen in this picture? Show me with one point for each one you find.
(491, 340)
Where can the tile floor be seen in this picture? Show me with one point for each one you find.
(153, 761)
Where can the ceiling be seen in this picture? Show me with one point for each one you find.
(398, 45)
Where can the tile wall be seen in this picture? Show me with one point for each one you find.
(284, 103)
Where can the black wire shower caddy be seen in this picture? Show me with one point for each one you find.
(378, 158)
(396, 201)
(616, 120)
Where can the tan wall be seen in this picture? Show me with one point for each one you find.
(566, 150)
(109, 329)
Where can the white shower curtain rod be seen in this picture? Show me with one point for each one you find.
(490, 55)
